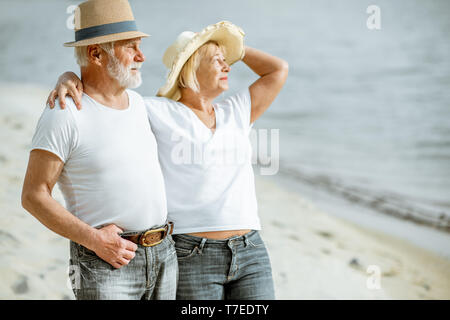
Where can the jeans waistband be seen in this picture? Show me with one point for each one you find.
(216, 242)
(133, 233)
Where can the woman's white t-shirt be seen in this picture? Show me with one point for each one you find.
(208, 176)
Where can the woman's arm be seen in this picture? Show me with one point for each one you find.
(273, 72)
(68, 84)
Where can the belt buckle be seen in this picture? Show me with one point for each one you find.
(142, 238)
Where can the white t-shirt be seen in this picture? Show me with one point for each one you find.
(111, 171)
(209, 177)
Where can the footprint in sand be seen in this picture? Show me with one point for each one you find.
(13, 123)
(422, 284)
(7, 237)
(17, 126)
(21, 285)
(278, 224)
(355, 264)
(325, 234)
(393, 271)
(6, 119)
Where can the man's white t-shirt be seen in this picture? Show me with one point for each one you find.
(111, 171)
(208, 176)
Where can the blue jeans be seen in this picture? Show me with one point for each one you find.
(235, 268)
(151, 274)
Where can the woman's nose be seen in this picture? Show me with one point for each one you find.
(226, 67)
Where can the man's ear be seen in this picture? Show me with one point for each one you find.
(95, 54)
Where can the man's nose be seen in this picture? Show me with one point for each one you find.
(140, 57)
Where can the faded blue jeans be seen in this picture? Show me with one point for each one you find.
(237, 268)
(151, 274)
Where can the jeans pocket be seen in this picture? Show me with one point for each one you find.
(184, 253)
(256, 241)
(84, 254)
(171, 240)
(256, 244)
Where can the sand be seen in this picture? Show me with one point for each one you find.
(318, 256)
(314, 255)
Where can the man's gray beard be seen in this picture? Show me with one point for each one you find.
(123, 74)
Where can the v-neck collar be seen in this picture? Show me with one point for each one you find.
(212, 134)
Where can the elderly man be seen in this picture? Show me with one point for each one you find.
(105, 161)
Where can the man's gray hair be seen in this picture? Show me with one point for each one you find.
(82, 57)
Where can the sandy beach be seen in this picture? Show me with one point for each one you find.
(314, 255)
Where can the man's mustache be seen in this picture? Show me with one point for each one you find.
(135, 65)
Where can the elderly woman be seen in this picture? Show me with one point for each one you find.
(205, 155)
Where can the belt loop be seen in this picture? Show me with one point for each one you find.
(246, 239)
(168, 228)
(202, 244)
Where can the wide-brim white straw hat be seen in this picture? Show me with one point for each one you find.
(100, 21)
(224, 33)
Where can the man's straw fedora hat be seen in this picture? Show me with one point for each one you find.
(224, 33)
(100, 21)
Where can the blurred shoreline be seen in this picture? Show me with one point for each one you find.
(387, 203)
(315, 255)
(355, 206)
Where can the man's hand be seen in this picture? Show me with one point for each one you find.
(112, 248)
(68, 84)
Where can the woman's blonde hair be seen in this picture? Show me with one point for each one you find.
(188, 74)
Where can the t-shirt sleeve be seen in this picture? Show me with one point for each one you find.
(158, 111)
(56, 132)
(242, 108)
(149, 105)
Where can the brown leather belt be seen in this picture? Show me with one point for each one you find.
(152, 237)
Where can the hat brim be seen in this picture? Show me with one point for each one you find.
(224, 33)
(107, 38)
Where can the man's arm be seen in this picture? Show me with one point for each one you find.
(273, 72)
(42, 173)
